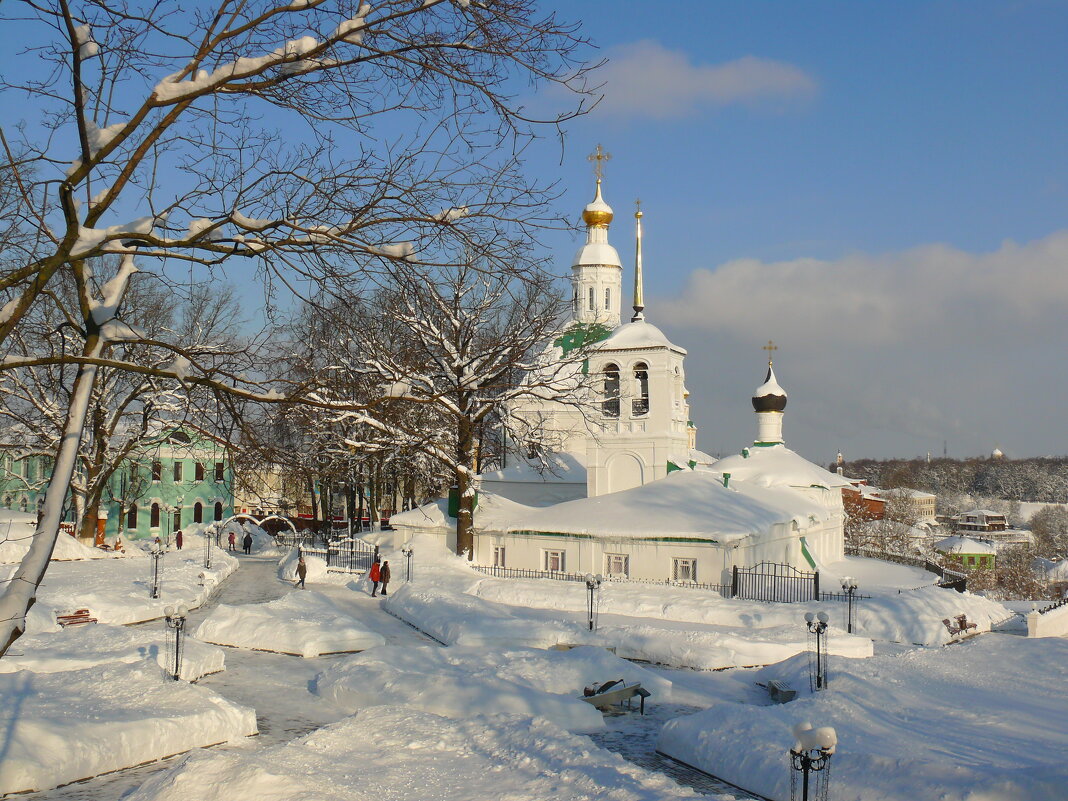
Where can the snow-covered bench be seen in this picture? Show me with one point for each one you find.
(780, 691)
(74, 617)
(614, 693)
(959, 625)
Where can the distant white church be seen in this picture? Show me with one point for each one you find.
(626, 492)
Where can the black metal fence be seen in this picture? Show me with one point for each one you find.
(350, 555)
(774, 581)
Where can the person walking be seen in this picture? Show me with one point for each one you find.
(178, 539)
(232, 540)
(302, 571)
(375, 575)
(383, 575)
(247, 542)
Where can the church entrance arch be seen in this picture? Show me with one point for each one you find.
(625, 471)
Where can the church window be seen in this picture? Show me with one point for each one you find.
(684, 570)
(218, 510)
(610, 405)
(554, 561)
(498, 556)
(198, 512)
(154, 517)
(617, 564)
(592, 304)
(575, 301)
(607, 298)
(640, 403)
(131, 517)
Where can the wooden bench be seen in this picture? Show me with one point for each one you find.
(612, 695)
(959, 625)
(780, 691)
(74, 618)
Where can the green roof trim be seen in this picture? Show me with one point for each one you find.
(573, 536)
(766, 444)
(672, 467)
(807, 555)
(580, 335)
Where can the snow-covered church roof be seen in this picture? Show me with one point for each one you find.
(684, 505)
(554, 468)
(777, 466)
(638, 334)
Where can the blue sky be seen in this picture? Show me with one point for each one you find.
(880, 187)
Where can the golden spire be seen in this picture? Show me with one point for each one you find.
(639, 300)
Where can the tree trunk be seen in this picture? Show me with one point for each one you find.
(465, 529)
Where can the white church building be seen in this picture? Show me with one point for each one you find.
(626, 493)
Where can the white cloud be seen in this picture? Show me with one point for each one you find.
(647, 79)
(884, 354)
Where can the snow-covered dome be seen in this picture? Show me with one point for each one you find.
(769, 397)
(638, 334)
(777, 466)
(597, 253)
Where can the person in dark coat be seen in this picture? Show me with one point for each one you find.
(178, 539)
(302, 571)
(375, 576)
(247, 542)
(383, 575)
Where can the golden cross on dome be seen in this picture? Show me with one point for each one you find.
(771, 346)
(638, 207)
(599, 157)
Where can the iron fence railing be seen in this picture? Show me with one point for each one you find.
(559, 575)
(774, 582)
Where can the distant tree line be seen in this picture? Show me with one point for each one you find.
(1042, 480)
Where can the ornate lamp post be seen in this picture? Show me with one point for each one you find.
(157, 557)
(849, 586)
(817, 625)
(175, 616)
(812, 753)
(593, 583)
(408, 550)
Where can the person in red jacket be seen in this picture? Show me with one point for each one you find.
(376, 573)
(383, 575)
(178, 539)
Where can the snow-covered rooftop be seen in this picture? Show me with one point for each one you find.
(597, 253)
(964, 545)
(557, 467)
(685, 504)
(639, 334)
(492, 511)
(778, 466)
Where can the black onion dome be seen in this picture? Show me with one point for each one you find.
(769, 397)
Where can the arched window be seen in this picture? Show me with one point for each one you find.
(218, 510)
(640, 403)
(575, 301)
(592, 304)
(177, 518)
(154, 516)
(198, 512)
(607, 298)
(131, 517)
(610, 405)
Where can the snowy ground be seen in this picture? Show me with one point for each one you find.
(86, 646)
(404, 754)
(118, 591)
(978, 720)
(17, 528)
(61, 727)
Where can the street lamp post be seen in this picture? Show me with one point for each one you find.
(209, 535)
(408, 550)
(175, 616)
(593, 583)
(811, 753)
(849, 586)
(817, 625)
(157, 556)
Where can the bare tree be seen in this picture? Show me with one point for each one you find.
(319, 141)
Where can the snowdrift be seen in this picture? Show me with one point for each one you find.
(463, 682)
(61, 727)
(303, 623)
(85, 646)
(972, 721)
(16, 530)
(405, 754)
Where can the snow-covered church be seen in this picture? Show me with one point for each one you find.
(626, 492)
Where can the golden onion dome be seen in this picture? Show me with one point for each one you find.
(597, 212)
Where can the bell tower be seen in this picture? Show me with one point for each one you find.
(596, 272)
